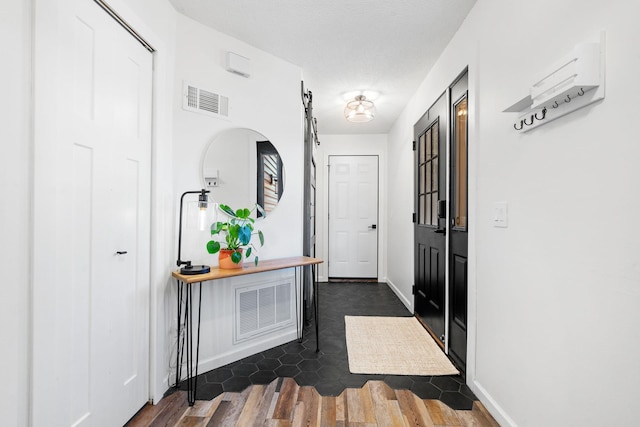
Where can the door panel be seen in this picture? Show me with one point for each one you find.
(458, 311)
(353, 217)
(92, 185)
(458, 225)
(430, 227)
(81, 283)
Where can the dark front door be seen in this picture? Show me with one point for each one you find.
(430, 224)
(458, 226)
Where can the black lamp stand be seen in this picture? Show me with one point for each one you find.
(189, 269)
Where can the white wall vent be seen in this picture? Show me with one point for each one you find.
(263, 308)
(204, 101)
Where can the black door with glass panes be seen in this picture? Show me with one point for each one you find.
(430, 221)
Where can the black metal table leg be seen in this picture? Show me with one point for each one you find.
(192, 359)
(184, 340)
(179, 348)
(315, 306)
(295, 284)
(189, 340)
(195, 377)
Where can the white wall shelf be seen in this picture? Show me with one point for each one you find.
(573, 82)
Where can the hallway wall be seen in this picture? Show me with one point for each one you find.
(553, 338)
(268, 102)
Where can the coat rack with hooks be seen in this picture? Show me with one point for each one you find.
(575, 81)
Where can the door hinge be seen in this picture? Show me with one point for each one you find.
(414, 146)
(413, 218)
(413, 290)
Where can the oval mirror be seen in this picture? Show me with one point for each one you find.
(241, 167)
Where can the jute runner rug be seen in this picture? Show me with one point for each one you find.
(393, 346)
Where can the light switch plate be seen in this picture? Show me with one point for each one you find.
(501, 214)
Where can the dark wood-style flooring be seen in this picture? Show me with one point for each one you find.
(284, 403)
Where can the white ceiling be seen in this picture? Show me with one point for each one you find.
(343, 46)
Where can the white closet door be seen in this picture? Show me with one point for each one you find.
(353, 217)
(91, 201)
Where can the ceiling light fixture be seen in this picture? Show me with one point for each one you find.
(360, 110)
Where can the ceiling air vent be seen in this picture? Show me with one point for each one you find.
(204, 101)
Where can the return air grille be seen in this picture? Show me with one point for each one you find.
(263, 308)
(204, 101)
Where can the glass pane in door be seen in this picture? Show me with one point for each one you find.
(460, 163)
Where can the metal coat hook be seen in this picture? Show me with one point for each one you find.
(534, 117)
(555, 104)
(581, 92)
(568, 98)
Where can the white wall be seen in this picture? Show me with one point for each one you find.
(554, 337)
(345, 145)
(15, 207)
(268, 102)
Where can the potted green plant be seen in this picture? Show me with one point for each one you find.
(231, 237)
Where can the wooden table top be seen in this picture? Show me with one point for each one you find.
(266, 265)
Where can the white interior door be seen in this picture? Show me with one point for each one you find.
(353, 217)
(91, 218)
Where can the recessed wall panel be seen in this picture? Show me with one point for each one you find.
(434, 290)
(341, 247)
(83, 69)
(81, 284)
(126, 112)
(130, 288)
(342, 200)
(364, 200)
(363, 251)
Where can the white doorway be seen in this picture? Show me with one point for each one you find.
(353, 217)
(91, 242)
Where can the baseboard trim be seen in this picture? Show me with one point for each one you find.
(491, 405)
(352, 280)
(400, 296)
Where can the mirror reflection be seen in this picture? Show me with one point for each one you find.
(241, 167)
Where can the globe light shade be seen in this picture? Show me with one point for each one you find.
(360, 110)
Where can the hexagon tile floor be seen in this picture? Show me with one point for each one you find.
(328, 370)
